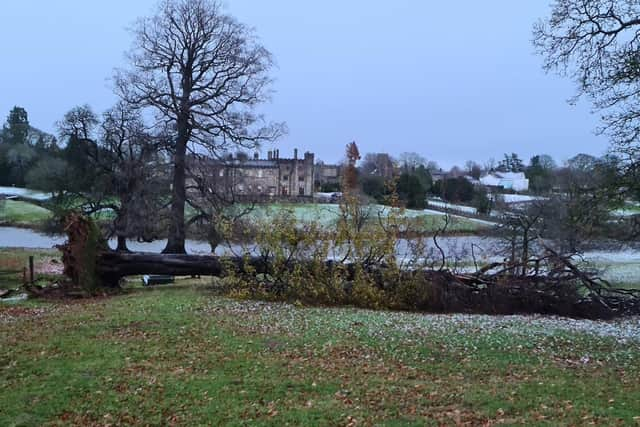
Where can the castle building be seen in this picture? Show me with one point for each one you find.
(256, 178)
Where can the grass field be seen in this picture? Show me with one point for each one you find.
(22, 213)
(328, 214)
(26, 214)
(183, 356)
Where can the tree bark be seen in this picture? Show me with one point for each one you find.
(122, 244)
(176, 238)
(112, 266)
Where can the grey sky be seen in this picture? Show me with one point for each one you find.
(450, 80)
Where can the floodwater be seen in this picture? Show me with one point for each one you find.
(11, 237)
(459, 247)
(621, 266)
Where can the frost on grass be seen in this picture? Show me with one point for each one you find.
(456, 332)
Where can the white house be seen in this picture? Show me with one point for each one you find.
(515, 181)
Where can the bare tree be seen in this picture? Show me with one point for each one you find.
(378, 164)
(412, 160)
(78, 128)
(473, 169)
(80, 123)
(203, 73)
(214, 200)
(597, 43)
(132, 158)
(114, 164)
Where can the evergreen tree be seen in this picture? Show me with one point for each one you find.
(511, 163)
(16, 129)
(540, 173)
(412, 191)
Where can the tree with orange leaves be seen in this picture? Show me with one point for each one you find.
(350, 177)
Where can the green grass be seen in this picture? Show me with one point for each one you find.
(327, 215)
(27, 214)
(22, 213)
(182, 356)
(45, 260)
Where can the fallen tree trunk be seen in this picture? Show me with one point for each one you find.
(113, 266)
(443, 290)
(92, 266)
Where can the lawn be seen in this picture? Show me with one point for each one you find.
(27, 214)
(22, 213)
(182, 355)
(47, 263)
(328, 214)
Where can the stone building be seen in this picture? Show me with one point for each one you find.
(327, 174)
(270, 178)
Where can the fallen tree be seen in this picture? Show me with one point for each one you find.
(553, 284)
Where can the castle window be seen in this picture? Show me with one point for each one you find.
(221, 172)
(259, 173)
(301, 178)
(285, 178)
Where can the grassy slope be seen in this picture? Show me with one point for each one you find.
(327, 214)
(22, 213)
(182, 356)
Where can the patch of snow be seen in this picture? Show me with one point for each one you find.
(624, 212)
(519, 198)
(453, 207)
(24, 193)
(621, 256)
(16, 299)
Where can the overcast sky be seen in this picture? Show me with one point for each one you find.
(450, 80)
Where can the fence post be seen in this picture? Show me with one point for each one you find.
(31, 272)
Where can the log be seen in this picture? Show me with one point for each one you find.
(113, 266)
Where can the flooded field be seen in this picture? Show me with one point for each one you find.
(619, 266)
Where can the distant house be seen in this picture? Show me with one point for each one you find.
(258, 179)
(515, 181)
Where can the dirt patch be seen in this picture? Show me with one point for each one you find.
(139, 330)
(12, 314)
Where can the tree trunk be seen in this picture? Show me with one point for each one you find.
(215, 238)
(113, 266)
(176, 238)
(122, 244)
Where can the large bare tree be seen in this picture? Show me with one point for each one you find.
(203, 73)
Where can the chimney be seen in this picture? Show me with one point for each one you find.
(295, 153)
(256, 155)
(277, 154)
(308, 157)
(269, 155)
